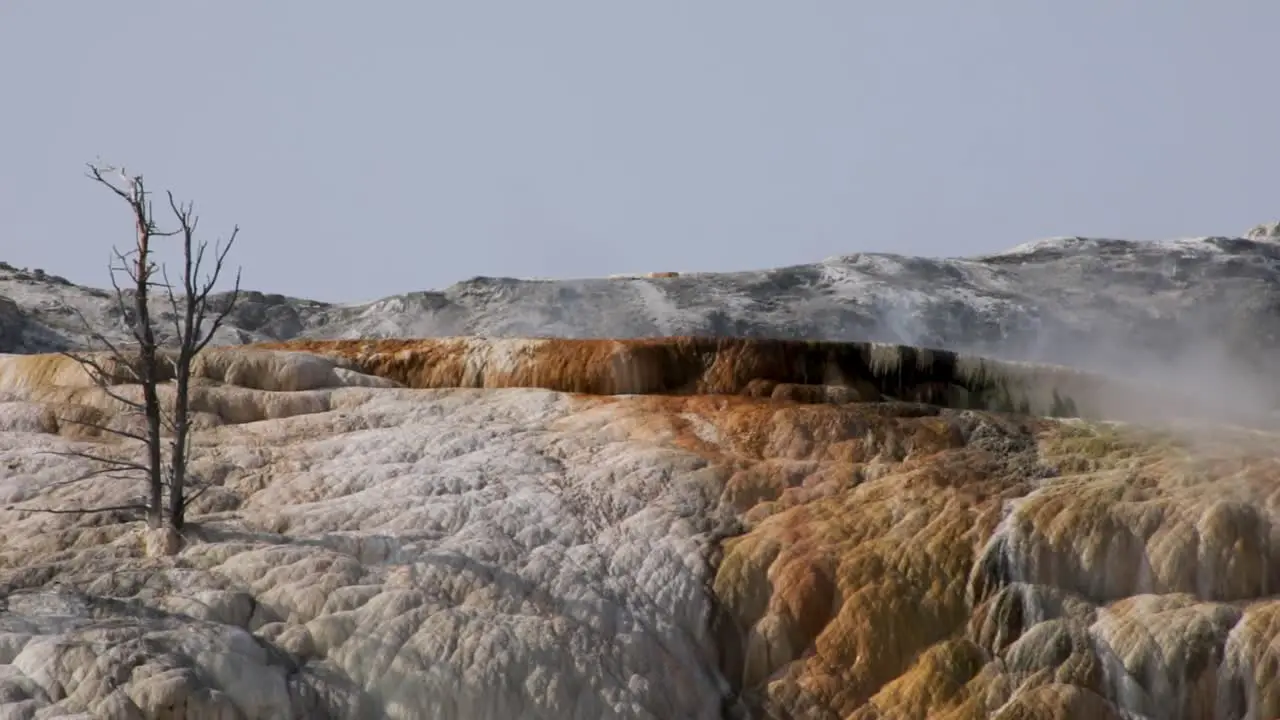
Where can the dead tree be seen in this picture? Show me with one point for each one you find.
(148, 364)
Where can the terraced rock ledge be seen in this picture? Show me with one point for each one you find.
(665, 528)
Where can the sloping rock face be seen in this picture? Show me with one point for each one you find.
(1202, 304)
(546, 529)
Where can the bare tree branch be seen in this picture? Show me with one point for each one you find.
(173, 306)
(125, 464)
(80, 511)
(99, 337)
(109, 473)
(96, 174)
(221, 315)
(204, 487)
(102, 428)
(220, 256)
(102, 380)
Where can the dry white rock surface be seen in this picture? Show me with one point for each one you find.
(364, 552)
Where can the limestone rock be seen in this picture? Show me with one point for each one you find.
(1264, 231)
(531, 529)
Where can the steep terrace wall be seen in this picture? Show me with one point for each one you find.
(807, 372)
(785, 369)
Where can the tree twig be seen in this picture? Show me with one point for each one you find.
(80, 511)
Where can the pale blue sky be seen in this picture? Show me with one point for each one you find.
(386, 146)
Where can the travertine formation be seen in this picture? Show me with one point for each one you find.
(781, 369)
(670, 528)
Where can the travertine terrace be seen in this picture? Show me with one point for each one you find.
(666, 528)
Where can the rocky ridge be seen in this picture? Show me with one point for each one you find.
(1089, 302)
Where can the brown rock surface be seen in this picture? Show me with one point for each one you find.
(761, 510)
(786, 369)
(968, 565)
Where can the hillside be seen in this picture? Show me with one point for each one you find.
(1089, 302)
(657, 527)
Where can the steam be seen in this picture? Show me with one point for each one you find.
(1193, 363)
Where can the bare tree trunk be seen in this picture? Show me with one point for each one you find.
(178, 458)
(189, 336)
(148, 369)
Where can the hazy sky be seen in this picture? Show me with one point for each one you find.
(380, 147)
